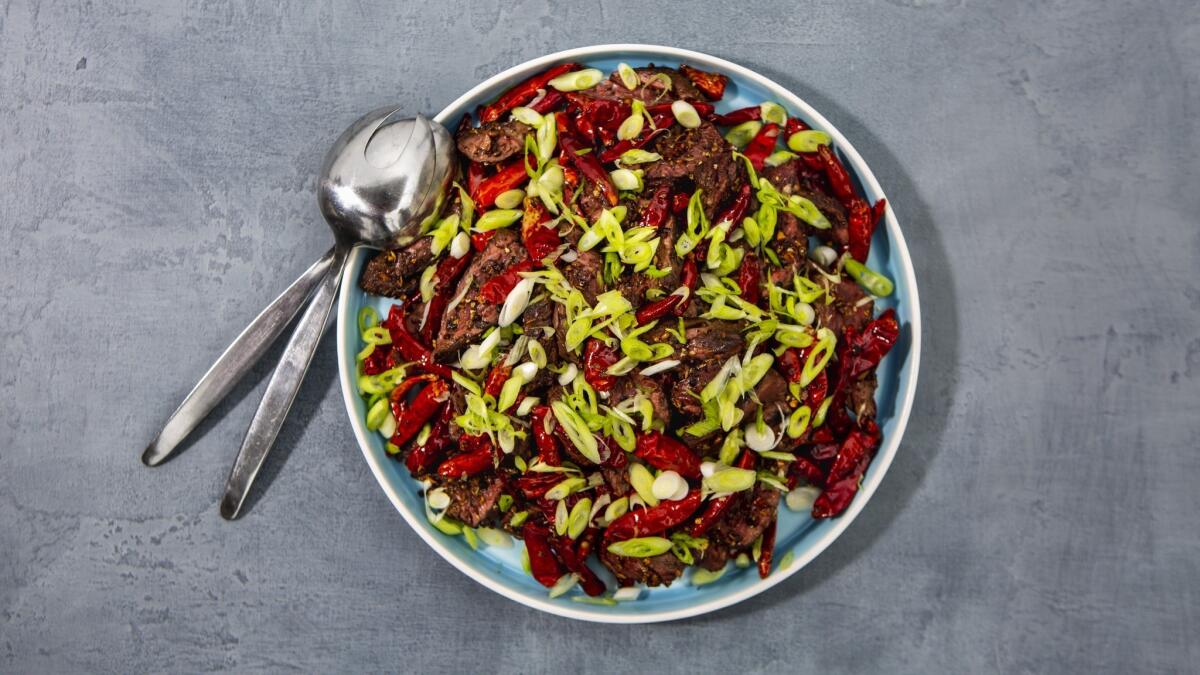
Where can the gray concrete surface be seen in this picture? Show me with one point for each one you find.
(157, 167)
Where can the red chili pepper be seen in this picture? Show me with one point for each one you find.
(854, 449)
(717, 507)
(597, 358)
(655, 213)
(794, 125)
(601, 113)
(791, 364)
(376, 363)
(509, 177)
(761, 145)
(768, 550)
(497, 288)
(650, 521)
(702, 109)
(689, 277)
(711, 85)
(834, 499)
(590, 167)
(476, 173)
(547, 446)
(611, 455)
(663, 452)
(412, 350)
(672, 304)
(448, 271)
(479, 240)
(410, 418)
(474, 461)
(523, 92)
(861, 352)
(542, 563)
(839, 178)
(679, 202)
(877, 212)
(423, 457)
(587, 578)
(550, 101)
(540, 241)
(737, 208)
(496, 379)
(814, 393)
(575, 561)
(658, 309)
(736, 117)
(749, 279)
(860, 229)
(813, 161)
(619, 148)
(804, 468)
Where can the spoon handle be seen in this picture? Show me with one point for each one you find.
(282, 388)
(237, 359)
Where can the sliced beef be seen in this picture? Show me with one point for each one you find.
(659, 570)
(393, 273)
(585, 274)
(492, 142)
(537, 318)
(589, 205)
(839, 234)
(636, 383)
(746, 519)
(702, 156)
(715, 556)
(634, 285)
(472, 500)
(560, 336)
(617, 480)
(861, 396)
(467, 321)
(771, 392)
(685, 392)
(791, 245)
(851, 306)
(711, 342)
(651, 88)
(790, 178)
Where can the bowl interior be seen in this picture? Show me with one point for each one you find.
(797, 534)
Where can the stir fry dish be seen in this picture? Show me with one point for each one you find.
(632, 329)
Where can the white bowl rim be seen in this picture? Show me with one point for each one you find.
(883, 458)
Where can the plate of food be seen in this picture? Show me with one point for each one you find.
(652, 353)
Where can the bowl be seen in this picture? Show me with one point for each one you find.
(798, 535)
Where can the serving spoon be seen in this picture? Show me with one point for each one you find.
(380, 178)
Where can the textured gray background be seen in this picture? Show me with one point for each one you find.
(1042, 514)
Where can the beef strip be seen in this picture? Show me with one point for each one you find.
(791, 246)
(711, 341)
(771, 392)
(650, 387)
(746, 519)
(392, 273)
(472, 499)
(688, 383)
(789, 179)
(589, 205)
(650, 89)
(861, 396)
(467, 321)
(845, 309)
(617, 481)
(585, 274)
(658, 570)
(492, 142)
(703, 156)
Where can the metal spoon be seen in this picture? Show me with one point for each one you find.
(254, 340)
(378, 181)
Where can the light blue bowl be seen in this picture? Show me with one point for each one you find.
(500, 569)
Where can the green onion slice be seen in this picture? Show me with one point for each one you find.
(640, 547)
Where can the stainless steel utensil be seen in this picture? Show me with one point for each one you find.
(380, 178)
(378, 181)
